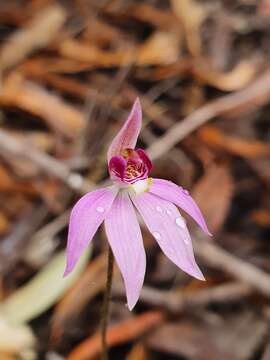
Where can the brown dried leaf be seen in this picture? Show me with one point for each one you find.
(262, 168)
(117, 334)
(241, 75)
(4, 223)
(8, 184)
(234, 338)
(138, 352)
(102, 33)
(261, 217)
(213, 193)
(39, 33)
(191, 14)
(160, 18)
(160, 49)
(79, 51)
(195, 342)
(44, 65)
(39, 139)
(246, 148)
(91, 282)
(181, 67)
(25, 95)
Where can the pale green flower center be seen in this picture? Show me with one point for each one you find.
(141, 186)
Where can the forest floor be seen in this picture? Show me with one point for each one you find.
(70, 71)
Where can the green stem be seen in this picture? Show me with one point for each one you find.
(106, 304)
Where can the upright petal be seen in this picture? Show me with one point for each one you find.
(125, 238)
(169, 229)
(86, 216)
(128, 135)
(169, 191)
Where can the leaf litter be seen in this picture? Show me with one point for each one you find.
(69, 73)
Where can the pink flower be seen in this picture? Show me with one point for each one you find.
(156, 200)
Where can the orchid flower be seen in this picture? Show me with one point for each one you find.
(156, 200)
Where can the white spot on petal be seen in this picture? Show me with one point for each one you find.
(156, 235)
(159, 209)
(180, 222)
(169, 212)
(100, 209)
(186, 240)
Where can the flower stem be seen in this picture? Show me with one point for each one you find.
(105, 306)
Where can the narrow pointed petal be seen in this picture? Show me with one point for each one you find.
(85, 218)
(128, 135)
(169, 191)
(170, 231)
(125, 238)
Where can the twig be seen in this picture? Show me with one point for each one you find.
(13, 244)
(219, 258)
(177, 302)
(106, 305)
(258, 89)
(54, 167)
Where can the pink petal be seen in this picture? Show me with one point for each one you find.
(169, 191)
(125, 239)
(128, 135)
(86, 216)
(144, 157)
(117, 167)
(170, 231)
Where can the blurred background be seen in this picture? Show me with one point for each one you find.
(70, 71)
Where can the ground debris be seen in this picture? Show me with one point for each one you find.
(69, 72)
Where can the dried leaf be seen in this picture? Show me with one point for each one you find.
(261, 217)
(191, 14)
(162, 48)
(25, 95)
(117, 334)
(240, 76)
(9, 184)
(262, 167)
(38, 139)
(41, 292)
(25, 339)
(102, 33)
(138, 352)
(4, 222)
(246, 148)
(195, 342)
(89, 285)
(234, 338)
(160, 18)
(90, 53)
(39, 33)
(44, 65)
(213, 193)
